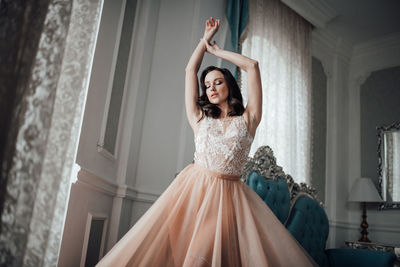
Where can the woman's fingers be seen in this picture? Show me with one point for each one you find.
(211, 48)
(216, 23)
(208, 47)
(211, 22)
(212, 26)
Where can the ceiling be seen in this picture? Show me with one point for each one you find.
(358, 21)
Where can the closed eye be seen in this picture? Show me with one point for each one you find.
(216, 82)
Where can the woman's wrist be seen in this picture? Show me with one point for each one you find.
(203, 42)
(206, 38)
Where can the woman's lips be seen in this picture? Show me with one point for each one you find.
(214, 95)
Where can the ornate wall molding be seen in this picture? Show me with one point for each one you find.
(96, 183)
(110, 188)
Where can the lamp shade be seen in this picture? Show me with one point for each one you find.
(364, 190)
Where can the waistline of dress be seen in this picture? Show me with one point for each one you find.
(217, 174)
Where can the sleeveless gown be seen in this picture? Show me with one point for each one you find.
(208, 216)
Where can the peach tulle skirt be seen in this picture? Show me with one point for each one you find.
(206, 218)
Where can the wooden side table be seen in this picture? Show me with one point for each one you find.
(375, 246)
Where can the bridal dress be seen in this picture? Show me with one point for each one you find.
(208, 216)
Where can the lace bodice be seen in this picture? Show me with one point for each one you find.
(223, 145)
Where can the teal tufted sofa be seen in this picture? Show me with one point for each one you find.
(298, 208)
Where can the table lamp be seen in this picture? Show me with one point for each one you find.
(364, 190)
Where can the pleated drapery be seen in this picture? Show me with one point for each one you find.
(51, 96)
(279, 39)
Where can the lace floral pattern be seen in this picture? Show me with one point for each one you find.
(223, 145)
(38, 185)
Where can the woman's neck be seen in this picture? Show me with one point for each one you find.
(225, 109)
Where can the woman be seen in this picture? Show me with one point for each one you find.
(207, 216)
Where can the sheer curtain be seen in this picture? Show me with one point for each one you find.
(47, 129)
(280, 40)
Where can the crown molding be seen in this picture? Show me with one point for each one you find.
(376, 54)
(324, 37)
(388, 42)
(318, 13)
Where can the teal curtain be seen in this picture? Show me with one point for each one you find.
(237, 13)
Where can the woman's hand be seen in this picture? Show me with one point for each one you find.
(212, 49)
(211, 28)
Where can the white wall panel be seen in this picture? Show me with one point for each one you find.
(347, 68)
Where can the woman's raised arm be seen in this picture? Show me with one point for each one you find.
(254, 104)
(193, 112)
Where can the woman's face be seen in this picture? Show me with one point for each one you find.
(216, 87)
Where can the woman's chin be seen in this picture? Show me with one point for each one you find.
(216, 101)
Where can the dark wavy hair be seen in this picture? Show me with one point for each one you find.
(235, 99)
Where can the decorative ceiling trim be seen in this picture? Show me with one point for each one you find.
(376, 54)
(383, 43)
(317, 12)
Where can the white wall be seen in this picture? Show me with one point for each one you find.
(347, 67)
(167, 140)
(367, 57)
(166, 145)
(334, 54)
(84, 199)
(87, 155)
(154, 140)
(96, 187)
